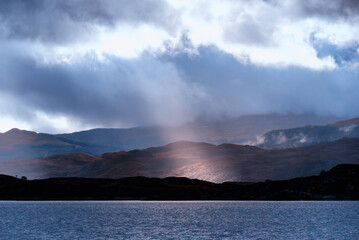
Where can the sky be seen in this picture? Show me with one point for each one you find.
(80, 64)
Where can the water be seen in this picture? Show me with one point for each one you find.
(179, 220)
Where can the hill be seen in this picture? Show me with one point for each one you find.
(234, 130)
(225, 162)
(340, 183)
(309, 135)
(20, 144)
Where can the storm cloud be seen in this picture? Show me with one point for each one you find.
(332, 10)
(127, 92)
(66, 21)
(69, 65)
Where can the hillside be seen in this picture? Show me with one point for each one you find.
(235, 130)
(308, 135)
(225, 162)
(20, 144)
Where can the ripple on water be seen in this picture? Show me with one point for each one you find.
(179, 220)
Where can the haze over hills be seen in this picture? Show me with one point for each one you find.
(309, 135)
(20, 144)
(235, 130)
(97, 152)
(225, 162)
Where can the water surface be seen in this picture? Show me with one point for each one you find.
(179, 220)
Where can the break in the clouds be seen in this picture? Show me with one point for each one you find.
(68, 65)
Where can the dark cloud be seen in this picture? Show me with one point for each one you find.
(63, 21)
(238, 89)
(331, 10)
(119, 92)
(171, 88)
(250, 32)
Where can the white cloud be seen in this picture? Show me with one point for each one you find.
(285, 40)
(267, 33)
(8, 122)
(136, 63)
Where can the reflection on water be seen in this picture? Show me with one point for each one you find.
(179, 220)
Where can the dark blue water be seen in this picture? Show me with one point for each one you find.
(179, 220)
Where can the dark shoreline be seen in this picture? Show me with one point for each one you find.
(339, 183)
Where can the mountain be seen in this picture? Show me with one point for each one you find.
(21, 144)
(340, 183)
(225, 162)
(236, 130)
(309, 135)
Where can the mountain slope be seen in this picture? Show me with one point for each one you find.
(309, 135)
(236, 130)
(225, 162)
(20, 144)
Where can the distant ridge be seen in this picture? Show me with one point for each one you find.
(225, 162)
(346, 122)
(309, 135)
(20, 144)
(232, 130)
